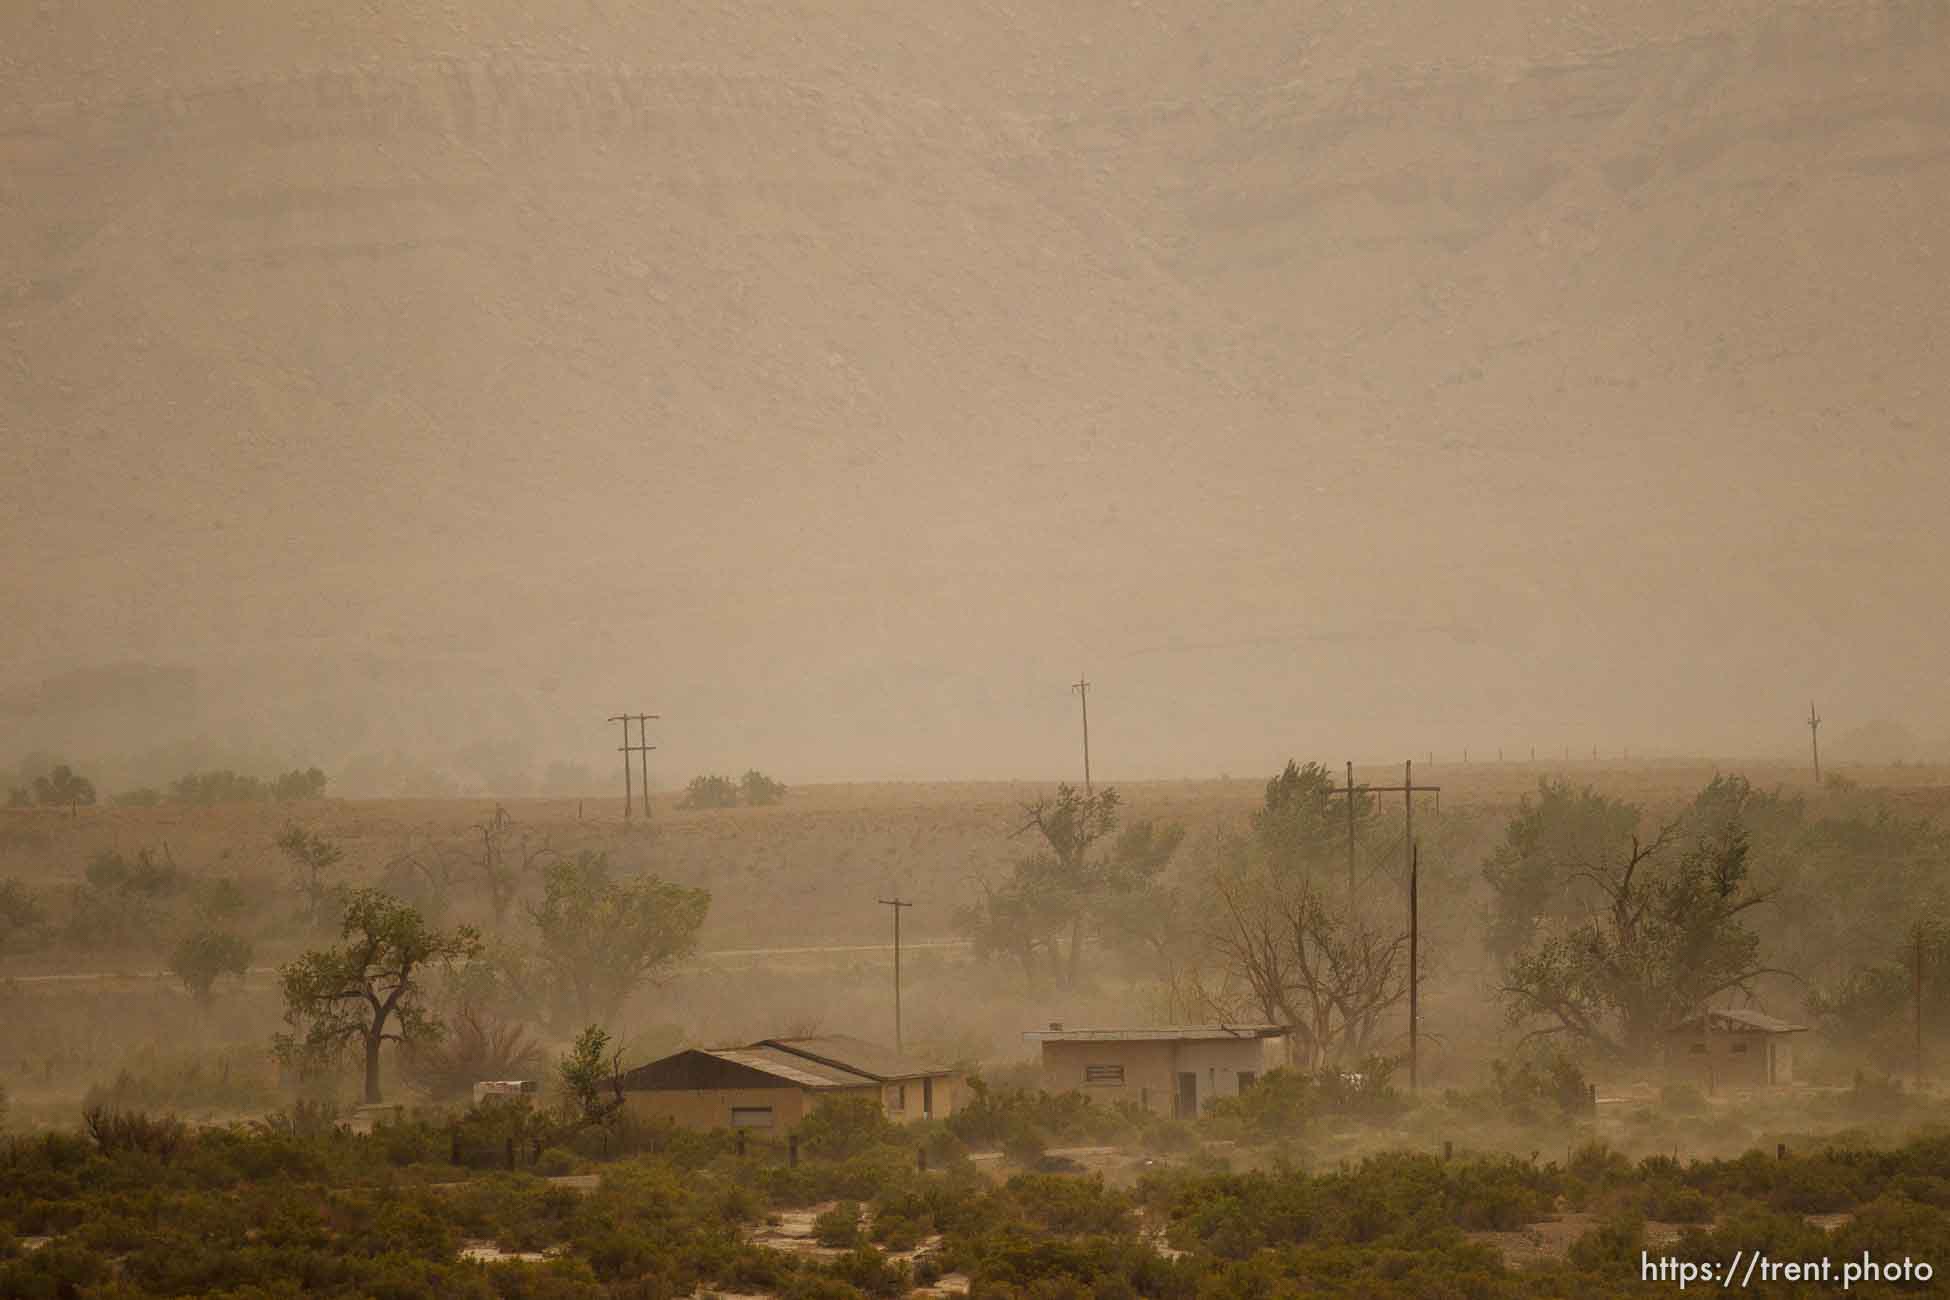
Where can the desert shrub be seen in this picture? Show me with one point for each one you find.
(161, 1136)
(21, 915)
(839, 1226)
(870, 1272)
(846, 1127)
(1612, 1248)
(143, 875)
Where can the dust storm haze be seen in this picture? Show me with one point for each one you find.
(840, 380)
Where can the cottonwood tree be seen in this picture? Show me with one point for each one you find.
(506, 857)
(1666, 935)
(369, 990)
(602, 938)
(312, 858)
(1540, 875)
(1278, 948)
(64, 788)
(1066, 885)
(202, 958)
(1298, 829)
(759, 789)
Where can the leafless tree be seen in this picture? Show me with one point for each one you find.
(1282, 951)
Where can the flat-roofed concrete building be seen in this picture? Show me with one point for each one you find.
(775, 1083)
(1732, 1048)
(1173, 1071)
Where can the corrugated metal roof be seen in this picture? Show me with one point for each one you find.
(1739, 1019)
(795, 1069)
(855, 1054)
(1182, 1033)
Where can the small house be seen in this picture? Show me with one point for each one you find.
(1732, 1049)
(775, 1083)
(1172, 1071)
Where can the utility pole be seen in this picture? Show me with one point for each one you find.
(1414, 974)
(1814, 738)
(1407, 789)
(897, 904)
(1082, 688)
(643, 748)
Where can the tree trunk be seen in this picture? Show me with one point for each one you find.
(1076, 949)
(372, 1069)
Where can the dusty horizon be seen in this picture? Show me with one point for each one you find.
(841, 384)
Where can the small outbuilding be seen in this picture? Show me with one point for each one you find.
(1172, 1071)
(1732, 1049)
(775, 1083)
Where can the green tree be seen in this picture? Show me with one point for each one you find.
(710, 792)
(592, 1079)
(367, 991)
(205, 956)
(1666, 934)
(1540, 876)
(306, 783)
(759, 789)
(1298, 829)
(64, 788)
(602, 938)
(312, 858)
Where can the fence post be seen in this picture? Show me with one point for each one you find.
(741, 1143)
(921, 1158)
(792, 1152)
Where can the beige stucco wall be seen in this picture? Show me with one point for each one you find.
(1720, 1065)
(1152, 1067)
(906, 1107)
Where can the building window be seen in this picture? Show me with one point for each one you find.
(900, 1096)
(751, 1117)
(1697, 1049)
(1246, 1079)
(1738, 1049)
(1108, 1076)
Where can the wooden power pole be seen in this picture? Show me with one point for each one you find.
(1414, 971)
(643, 747)
(1082, 688)
(897, 904)
(1814, 738)
(1407, 789)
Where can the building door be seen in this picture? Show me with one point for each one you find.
(927, 1099)
(1188, 1096)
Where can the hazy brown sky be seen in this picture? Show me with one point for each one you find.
(840, 380)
